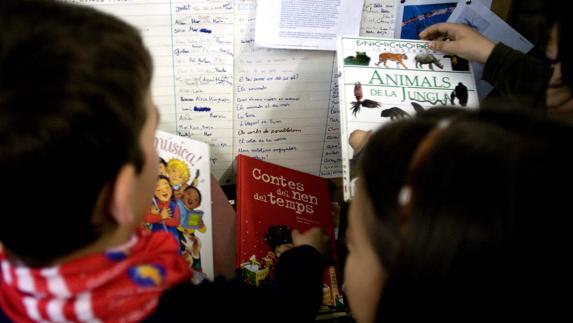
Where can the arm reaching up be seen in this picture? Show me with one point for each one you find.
(459, 40)
(520, 77)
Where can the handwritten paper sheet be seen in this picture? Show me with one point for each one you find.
(378, 18)
(211, 84)
(202, 38)
(284, 114)
(191, 43)
(306, 24)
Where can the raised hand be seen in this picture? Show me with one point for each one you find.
(459, 40)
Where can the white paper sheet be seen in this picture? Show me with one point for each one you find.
(191, 43)
(208, 78)
(286, 109)
(304, 24)
(378, 18)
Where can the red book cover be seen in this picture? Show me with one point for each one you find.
(272, 201)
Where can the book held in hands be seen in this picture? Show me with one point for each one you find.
(384, 79)
(272, 201)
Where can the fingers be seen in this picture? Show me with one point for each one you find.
(314, 237)
(436, 30)
(311, 233)
(358, 139)
(444, 30)
(315, 231)
(295, 234)
(448, 47)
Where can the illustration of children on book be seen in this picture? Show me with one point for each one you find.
(163, 213)
(163, 167)
(191, 221)
(178, 173)
(174, 209)
(192, 254)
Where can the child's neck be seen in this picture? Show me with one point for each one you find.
(108, 240)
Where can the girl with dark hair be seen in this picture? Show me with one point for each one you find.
(452, 213)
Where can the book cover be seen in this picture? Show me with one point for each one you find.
(383, 79)
(273, 200)
(181, 204)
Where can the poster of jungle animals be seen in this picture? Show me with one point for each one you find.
(415, 16)
(403, 77)
(181, 204)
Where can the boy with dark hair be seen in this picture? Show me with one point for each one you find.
(76, 115)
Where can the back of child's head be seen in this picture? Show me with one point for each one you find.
(482, 226)
(72, 89)
(383, 166)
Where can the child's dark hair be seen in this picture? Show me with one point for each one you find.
(165, 178)
(485, 199)
(72, 88)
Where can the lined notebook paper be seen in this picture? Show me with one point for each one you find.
(211, 84)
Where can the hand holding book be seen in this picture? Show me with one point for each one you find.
(313, 237)
(459, 40)
(282, 209)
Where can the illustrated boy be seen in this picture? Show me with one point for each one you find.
(179, 174)
(191, 218)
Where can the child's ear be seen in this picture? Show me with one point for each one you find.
(121, 207)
